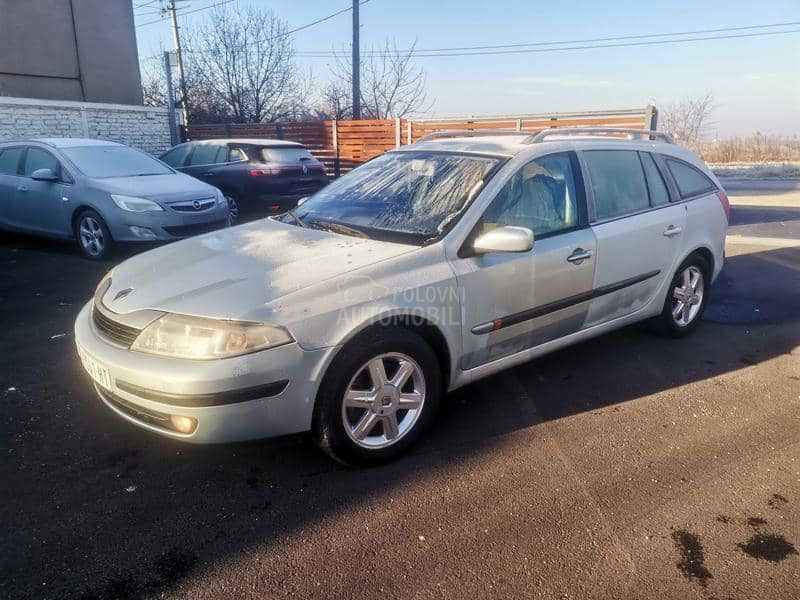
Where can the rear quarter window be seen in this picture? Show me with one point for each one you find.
(690, 180)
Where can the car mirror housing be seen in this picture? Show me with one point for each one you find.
(44, 175)
(504, 239)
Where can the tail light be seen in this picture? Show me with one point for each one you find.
(264, 172)
(726, 205)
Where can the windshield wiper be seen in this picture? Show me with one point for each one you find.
(298, 220)
(338, 228)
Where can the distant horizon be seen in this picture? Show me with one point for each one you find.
(754, 80)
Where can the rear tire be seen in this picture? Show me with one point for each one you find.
(379, 394)
(686, 299)
(93, 237)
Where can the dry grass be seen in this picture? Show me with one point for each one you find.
(755, 148)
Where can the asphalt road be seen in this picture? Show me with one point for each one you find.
(626, 467)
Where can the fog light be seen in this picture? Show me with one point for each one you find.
(142, 232)
(183, 424)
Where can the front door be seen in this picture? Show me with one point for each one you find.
(514, 301)
(42, 201)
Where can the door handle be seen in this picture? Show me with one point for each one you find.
(672, 231)
(579, 255)
(22, 188)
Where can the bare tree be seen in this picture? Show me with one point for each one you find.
(154, 87)
(246, 59)
(392, 85)
(688, 118)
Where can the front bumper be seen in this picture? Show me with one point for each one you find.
(288, 408)
(166, 225)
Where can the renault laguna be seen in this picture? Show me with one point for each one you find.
(423, 270)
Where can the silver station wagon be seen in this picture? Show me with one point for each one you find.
(423, 270)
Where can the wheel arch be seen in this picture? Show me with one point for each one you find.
(422, 325)
(77, 213)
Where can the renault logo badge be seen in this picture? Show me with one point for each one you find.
(122, 294)
(305, 169)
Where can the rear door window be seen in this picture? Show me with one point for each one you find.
(690, 181)
(618, 182)
(39, 159)
(9, 160)
(177, 156)
(655, 182)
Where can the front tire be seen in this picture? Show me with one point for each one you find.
(379, 393)
(234, 208)
(686, 298)
(93, 236)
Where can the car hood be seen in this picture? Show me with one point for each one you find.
(167, 188)
(235, 273)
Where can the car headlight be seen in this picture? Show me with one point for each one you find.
(132, 204)
(182, 336)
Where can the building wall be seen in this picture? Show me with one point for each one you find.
(146, 128)
(69, 50)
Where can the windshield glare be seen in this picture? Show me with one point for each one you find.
(114, 161)
(412, 193)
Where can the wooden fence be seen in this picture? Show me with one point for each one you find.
(343, 145)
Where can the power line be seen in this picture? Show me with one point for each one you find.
(583, 47)
(188, 12)
(582, 41)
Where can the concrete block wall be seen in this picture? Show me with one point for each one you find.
(143, 127)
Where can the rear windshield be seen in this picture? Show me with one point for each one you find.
(284, 155)
(114, 161)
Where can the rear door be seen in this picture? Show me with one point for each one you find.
(514, 301)
(10, 159)
(638, 231)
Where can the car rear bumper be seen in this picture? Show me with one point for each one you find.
(258, 395)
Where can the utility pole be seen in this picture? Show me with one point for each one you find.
(179, 55)
(356, 65)
(173, 126)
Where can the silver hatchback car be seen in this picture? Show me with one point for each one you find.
(425, 269)
(100, 193)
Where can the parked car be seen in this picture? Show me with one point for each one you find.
(101, 193)
(260, 176)
(423, 270)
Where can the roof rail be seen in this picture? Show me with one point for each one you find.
(602, 132)
(453, 133)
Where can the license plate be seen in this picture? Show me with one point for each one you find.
(98, 372)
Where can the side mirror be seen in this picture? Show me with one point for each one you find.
(504, 239)
(44, 175)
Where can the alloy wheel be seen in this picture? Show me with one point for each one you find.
(92, 238)
(233, 207)
(383, 400)
(688, 296)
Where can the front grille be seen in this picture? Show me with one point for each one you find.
(117, 332)
(194, 229)
(139, 413)
(193, 205)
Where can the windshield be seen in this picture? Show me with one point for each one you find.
(413, 194)
(114, 161)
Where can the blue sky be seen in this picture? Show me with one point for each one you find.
(755, 81)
